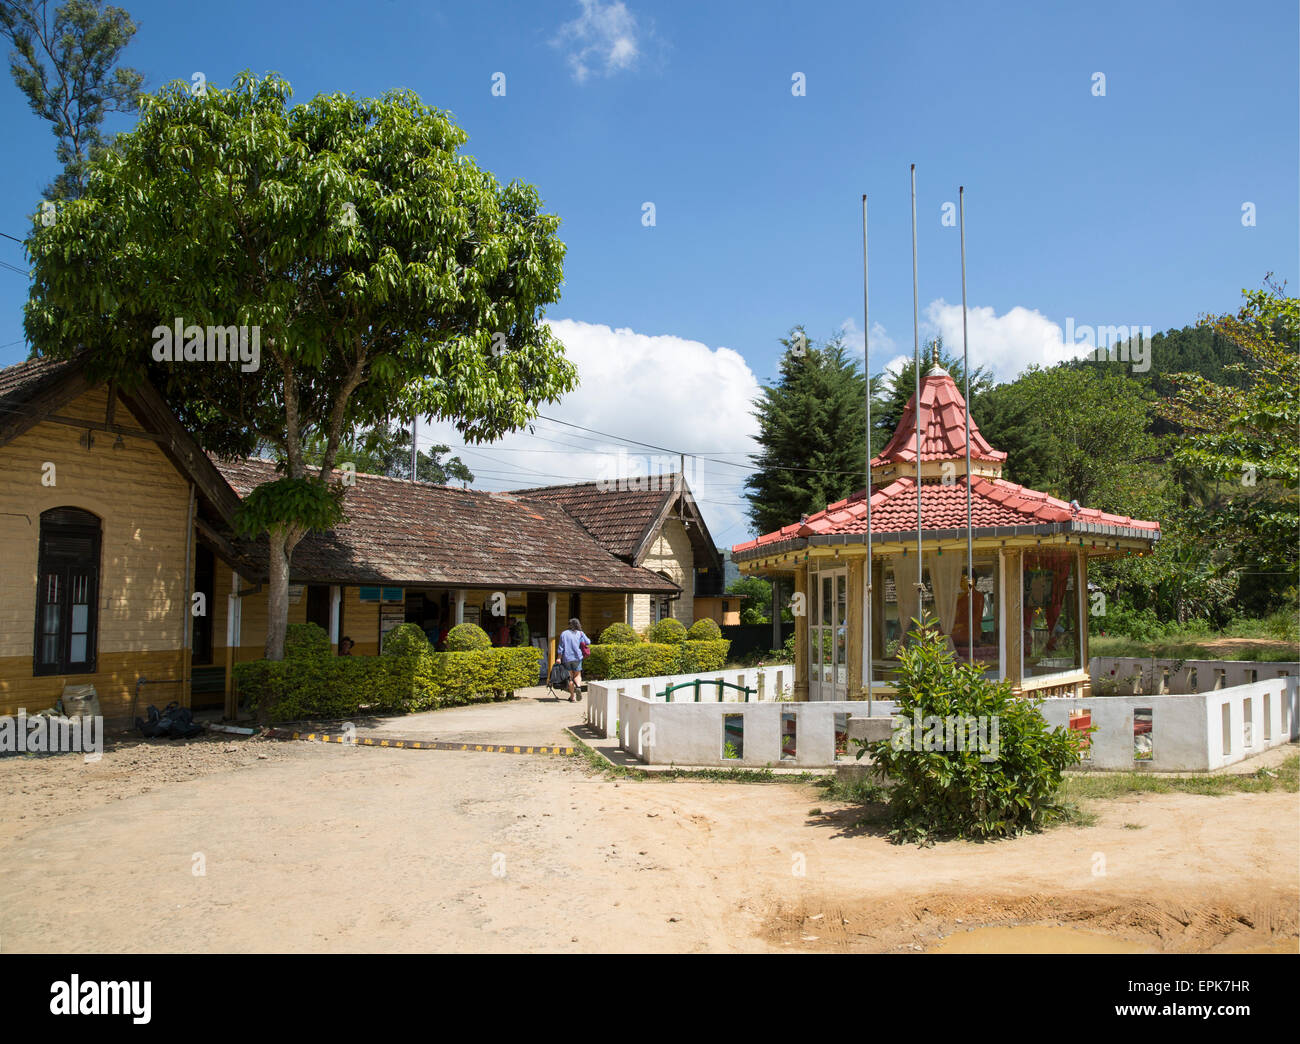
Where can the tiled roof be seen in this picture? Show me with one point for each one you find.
(617, 518)
(20, 381)
(413, 532)
(994, 502)
(943, 427)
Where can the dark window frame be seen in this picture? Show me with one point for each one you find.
(55, 557)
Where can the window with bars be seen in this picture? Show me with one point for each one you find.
(67, 593)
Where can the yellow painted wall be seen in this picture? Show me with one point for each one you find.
(672, 555)
(142, 502)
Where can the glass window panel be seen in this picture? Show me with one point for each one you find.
(1051, 638)
(827, 616)
(80, 618)
(77, 649)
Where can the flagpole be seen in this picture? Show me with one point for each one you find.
(866, 369)
(965, 365)
(916, 355)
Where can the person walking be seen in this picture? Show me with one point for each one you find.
(573, 648)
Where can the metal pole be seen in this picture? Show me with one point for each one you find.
(965, 365)
(415, 442)
(866, 369)
(916, 355)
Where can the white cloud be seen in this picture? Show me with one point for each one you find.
(601, 40)
(657, 389)
(1007, 343)
(881, 343)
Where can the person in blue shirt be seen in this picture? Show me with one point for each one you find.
(570, 654)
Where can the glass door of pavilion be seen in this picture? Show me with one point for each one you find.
(828, 627)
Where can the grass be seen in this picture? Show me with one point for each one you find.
(1188, 648)
(1107, 785)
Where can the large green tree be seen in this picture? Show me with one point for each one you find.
(387, 275)
(386, 450)
(1247, 436)
(65, 63)
(811, 430)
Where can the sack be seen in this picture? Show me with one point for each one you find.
(175, 722)
(559, 675)
(585, 649)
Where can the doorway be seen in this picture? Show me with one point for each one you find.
(828, 627)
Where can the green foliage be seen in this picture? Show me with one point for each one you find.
(655, 659)
(755, 599)
(668, 631)
(619, 633)
(940, 793)
(409, 676)
(729, 750)
(805, 461)
(303, 500)
(306, 641)
(386, 450)
(405, 640)
(704, 630)
(466, 637)
(65, 68)
(787, 648)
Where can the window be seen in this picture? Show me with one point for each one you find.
(1051, 613)
(67, 593)
(205, 577)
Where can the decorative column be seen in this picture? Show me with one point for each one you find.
(801, 634)
(460, 606)
(1085, 618)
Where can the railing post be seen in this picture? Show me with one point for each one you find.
(697, 690)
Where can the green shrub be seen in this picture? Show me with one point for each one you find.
(788, 648)
(705, 630)
(406, 640)
(619, 634)
(465, 637)
(306, 640)
(654, 659)
(454, 678)
(699, 656)
(941, 793)
(668, 632)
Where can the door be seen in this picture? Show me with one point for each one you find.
(828, 637)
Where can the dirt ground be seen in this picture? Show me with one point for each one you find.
(306, 847)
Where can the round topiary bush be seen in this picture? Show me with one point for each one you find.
(467, 637)
(705, 630)
(619, 634)
(406, 640)
(305, 641)
(668, 632)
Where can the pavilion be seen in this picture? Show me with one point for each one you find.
(1030, 555)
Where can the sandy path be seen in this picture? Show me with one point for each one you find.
(317, 848)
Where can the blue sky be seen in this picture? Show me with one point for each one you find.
(1117, 209)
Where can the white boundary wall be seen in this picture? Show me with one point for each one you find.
(660, 733)
(1193, 733)
(603, 696)
(1185, 676)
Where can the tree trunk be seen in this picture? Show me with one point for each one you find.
(277, 598)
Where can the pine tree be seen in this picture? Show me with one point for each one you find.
(811, 425)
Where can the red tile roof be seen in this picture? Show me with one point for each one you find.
(414, 532)
(994, 502)
(943, 427)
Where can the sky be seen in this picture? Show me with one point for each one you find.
(1124, 164)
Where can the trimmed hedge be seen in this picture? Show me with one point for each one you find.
(619, 634)
(667, 632)
(407, 676)
(704, 630)
(306, 640)
(654, 659)
(465, 637)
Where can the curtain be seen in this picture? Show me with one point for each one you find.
(905, 589)
(945, 582)
(1059, 563)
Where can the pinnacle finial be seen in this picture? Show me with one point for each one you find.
(934, 353)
